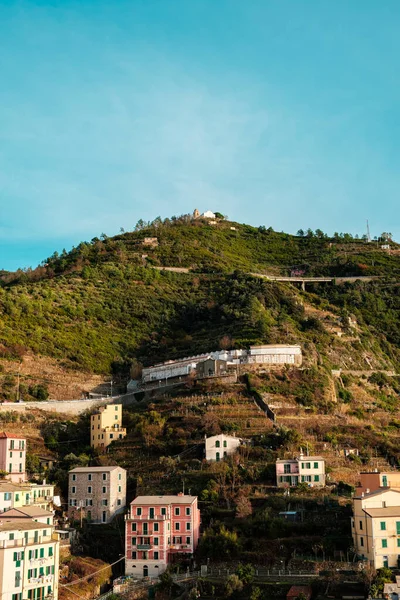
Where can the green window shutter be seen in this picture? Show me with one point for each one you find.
(15, 556)
(41, 552)
(316, 465)
(383, 525)
(398, 527)
(398, 542)
(384, 543)
(316, 477)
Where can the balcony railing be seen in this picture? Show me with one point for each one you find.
(144, 546)
(130, 517)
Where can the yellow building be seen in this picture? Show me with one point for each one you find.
(29, 560)
(370, 481)
(106, 426)
(17, 495)
(376, 527)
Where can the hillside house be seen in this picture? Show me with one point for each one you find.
(371, 481)
(302, 469)
(208, 214)
(98, 492)
(13, 456)
(156, 529)
(150, 241)
(220, 446)
(106, 426)
(29, 560)
(376, 527)
(31, 512)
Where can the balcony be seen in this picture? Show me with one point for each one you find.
(144, 546)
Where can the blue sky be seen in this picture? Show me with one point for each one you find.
(283, 113)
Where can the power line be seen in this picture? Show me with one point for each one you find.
(66, 585)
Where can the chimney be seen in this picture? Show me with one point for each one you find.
(180, 494)
(367, 491)
(362, 494)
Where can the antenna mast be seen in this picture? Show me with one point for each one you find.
(368, 232)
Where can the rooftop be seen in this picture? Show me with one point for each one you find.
(163, 500)
(3, 435)
(94, 469)
(28, 511)
(389, 511)
(20, 525)
(382, 490)
(303, 458)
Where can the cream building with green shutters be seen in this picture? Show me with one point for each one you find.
(29, 560)
(376, 527)
(17, 495)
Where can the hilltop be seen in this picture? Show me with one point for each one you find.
(106, 305)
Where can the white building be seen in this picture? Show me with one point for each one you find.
(220, 446)
(278, 354)
(208, 214)
(29, 559)
(302, 469)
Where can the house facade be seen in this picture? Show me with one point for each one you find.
(13, 456)
(376, 527)
(220, 446)
(371, 481)
(13, 495)
(106, 426)
(156, 529)
(29, 560)
(302, 469)
(96, 493)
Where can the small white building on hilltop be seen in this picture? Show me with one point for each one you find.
(220, 446)
(278, 354)
(302, 469)
(208, 214)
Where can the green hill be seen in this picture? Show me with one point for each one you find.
(104, 304)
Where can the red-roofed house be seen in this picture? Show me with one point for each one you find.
(13, 456)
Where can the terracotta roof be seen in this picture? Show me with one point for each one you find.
(28, 512)
(382, 490)
(94, 469)
(389, 511)
(163, 500)
(21, 525)
(3, 435)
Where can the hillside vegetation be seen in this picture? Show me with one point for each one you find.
(103, 304)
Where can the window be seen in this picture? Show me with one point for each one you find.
(384, 543)
(73, 490)
(361, 541)
(188, 540)
(133, 541)
(89, 477)
(306, 478)
(315, 465)
(308, 465)
(111, 436)
(188, 511)
(133, 526)
(217, 456)
(139, 511)
(116, 407)
(104, 476)
(89, 502)
(398, 542)
(10, 454)
(11, 536)
(286, 468)
(383, 525)
(384, 481)
(156, 541)
(41, 554)
(177, 526)
(155, 527)
(73, 477)
(163, 511)
(10, 468)
(217, 444)
(302, 465)
(151, 513)
(104, 502)
(134, 554)
(177, 511)
(89, 490)
(188, 526)
(7, 496)
(398, 527)
(225, 444)
(104, 489)
(119, 502)
(20, 454)
(361, 525)
(51, 551)
(20, 467)
(120, 490)
(17, 596)
(316, 477)
(17, 578)
(156, 555)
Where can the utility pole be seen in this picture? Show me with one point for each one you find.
(368, 233)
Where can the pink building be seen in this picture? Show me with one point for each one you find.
(156, 529)
(13, 456)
